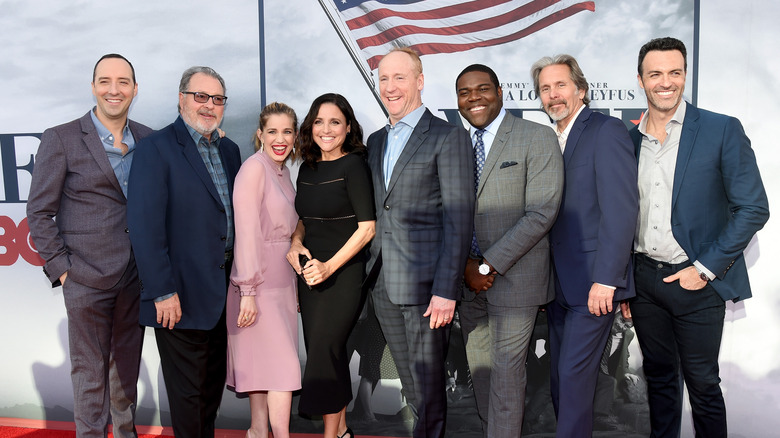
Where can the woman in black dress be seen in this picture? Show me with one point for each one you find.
(337, 219)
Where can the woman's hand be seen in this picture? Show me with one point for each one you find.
(315, 272)
(247, 311)
(293, 256)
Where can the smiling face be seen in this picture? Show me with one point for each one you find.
(114, 89)
(400, 85)
(204, 117)
(277, 137)
(560, 97)
(479, 101)
(329, 131)
(663, 79)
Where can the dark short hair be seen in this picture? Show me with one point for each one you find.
(353, 144)
(575, 72)
(663, 44)
(116, 56)
(481, 68)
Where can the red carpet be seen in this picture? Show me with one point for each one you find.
(18, 427)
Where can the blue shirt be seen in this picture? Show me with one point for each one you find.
(120, 163)
(209, 153)
(397, 136)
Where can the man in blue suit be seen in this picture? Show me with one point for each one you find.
(590, 240)
(701, 201)
(181, 228)
(423, 175)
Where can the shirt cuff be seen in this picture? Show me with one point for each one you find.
(607, 286)
(706, 271)
(164, 297)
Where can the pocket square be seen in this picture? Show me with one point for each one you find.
(507, 164)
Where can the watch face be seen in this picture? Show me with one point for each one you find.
(484, 269)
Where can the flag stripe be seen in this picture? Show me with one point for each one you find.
(447, 26)
(432, 48)
(400, 31)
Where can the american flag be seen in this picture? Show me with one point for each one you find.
(447, 26)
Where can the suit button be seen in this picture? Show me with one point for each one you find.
(222, 266)
(223, 238)
(127, 230)
(221, 210)
(387, 207)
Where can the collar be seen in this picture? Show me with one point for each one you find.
(410, 119)
(105, 135)
(492, 128)
(678, 117)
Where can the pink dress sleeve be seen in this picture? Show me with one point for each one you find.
(248, 194)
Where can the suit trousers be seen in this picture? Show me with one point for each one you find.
(577, 341)
(419, 354)
(679, 330)
(104, 339)
(497, 340)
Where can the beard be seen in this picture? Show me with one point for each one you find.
(560, 115)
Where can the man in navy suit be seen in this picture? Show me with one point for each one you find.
(181, 228)
(422, 170)
(590, 240)
(701, 201)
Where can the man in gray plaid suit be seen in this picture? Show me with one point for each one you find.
(423, 179)
(507, 277)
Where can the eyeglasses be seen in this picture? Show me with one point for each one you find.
(203, 97)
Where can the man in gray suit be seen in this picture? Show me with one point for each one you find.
(424, 192)
(519, 182)
(80, 179)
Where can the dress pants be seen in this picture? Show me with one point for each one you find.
(194, 366)
(679, 330)
(419, 354)
(577, 341)
(497, 340)
(104, 339)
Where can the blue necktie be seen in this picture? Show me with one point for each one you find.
(479, 163)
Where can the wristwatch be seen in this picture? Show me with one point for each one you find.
(702, 275)
(484, 268)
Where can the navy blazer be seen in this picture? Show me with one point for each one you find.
(425, 219)
(718, 198)
(592, 237)
(178, 225)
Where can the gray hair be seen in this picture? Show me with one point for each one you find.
(575, 74)
(192, 71)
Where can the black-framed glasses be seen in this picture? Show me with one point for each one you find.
(203, 97)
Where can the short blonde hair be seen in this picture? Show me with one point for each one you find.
(418, 69)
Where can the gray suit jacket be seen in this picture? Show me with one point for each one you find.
(425, 216)
(517, 201)
(73, 181)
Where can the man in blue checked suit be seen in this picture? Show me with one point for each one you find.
(422, 171)
(508, 273)
(591, 238)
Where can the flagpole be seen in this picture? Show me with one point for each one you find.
(355, 56)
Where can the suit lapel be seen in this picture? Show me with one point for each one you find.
(419, 134)
(190, 151)
(377, 162)
(496, 149)
(574, 135)
(95, 146)
(687, 138)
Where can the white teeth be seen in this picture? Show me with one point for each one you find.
(477, 108)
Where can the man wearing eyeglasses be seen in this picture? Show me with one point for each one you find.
(181, 228)
(77, 216)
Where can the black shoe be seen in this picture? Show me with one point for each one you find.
(347, 432)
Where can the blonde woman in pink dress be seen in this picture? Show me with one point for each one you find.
(262, 316)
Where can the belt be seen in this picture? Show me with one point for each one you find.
(644, 259)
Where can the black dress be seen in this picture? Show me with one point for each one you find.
(332, 198)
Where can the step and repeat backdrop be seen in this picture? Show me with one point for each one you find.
(276, 50)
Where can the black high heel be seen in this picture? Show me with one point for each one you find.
(347, 432)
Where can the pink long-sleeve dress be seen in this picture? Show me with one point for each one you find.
(263, 356)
